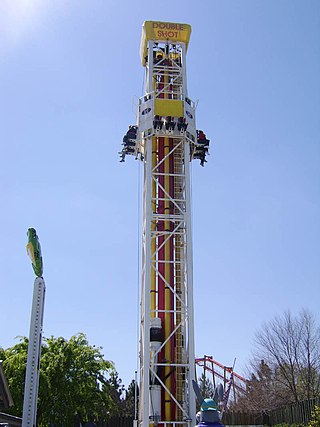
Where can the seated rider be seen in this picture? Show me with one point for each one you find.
(182, 125)
(157, 122)
(132, 132)
(170, 124)
(201, 138)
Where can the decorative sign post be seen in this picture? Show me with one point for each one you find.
(35, 335)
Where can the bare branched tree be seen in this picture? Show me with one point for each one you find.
(308, 359)
(286, 362)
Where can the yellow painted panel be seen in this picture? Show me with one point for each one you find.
(168, 107)
(163, 31)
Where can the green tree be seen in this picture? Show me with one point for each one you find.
(114, 388)
(206, 386)
(75, 379)
(14, 365)
(129, 399)
(315, 418)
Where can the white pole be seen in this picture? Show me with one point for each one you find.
(191, 343)
(135, 397)
(146, 308)
(29, 415)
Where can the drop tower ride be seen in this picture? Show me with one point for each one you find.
(165, 139)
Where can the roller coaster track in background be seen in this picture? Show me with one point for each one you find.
(217, 371)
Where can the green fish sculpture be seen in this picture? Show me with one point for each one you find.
(34, 252)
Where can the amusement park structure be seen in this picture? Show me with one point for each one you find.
(166, 140)
(216, 373)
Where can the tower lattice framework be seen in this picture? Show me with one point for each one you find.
(166, 140)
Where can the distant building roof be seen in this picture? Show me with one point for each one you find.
(5, 396)
(10, 419)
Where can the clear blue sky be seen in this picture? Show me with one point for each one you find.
(69, 76)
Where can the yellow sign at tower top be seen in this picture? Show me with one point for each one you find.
(163, 31)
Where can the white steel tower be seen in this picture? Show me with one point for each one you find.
(165, 139)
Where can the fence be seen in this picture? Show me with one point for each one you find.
(297, 413)
(244, 419)
(117, 422)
